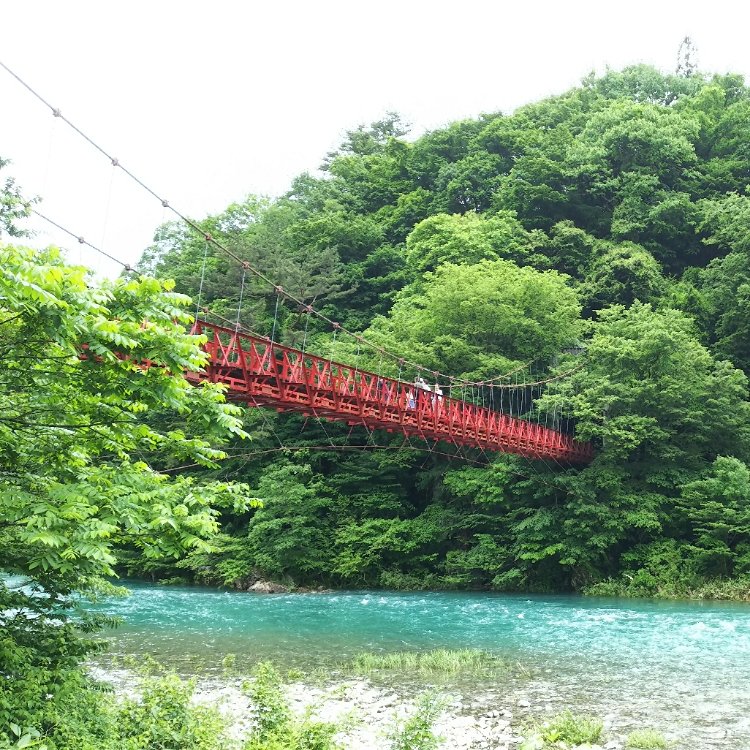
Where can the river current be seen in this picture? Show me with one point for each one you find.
(679, 666)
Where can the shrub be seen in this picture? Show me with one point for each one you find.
(416, 732)
(23, 737)
(275, 726)
(163, 718)
(647, 739)
(269, 710)
(571, 729)
(44, 694)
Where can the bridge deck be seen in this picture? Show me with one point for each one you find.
(262, 373)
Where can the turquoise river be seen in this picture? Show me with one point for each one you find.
(677, 666)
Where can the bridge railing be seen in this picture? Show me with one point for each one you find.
(262, 372)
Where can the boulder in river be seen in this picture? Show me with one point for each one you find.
(268, 587)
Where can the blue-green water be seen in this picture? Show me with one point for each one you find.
(678, 666)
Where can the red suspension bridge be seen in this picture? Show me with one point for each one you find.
(260, 372)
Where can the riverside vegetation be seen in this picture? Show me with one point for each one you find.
(601, 233)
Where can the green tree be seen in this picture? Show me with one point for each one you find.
(83, 435)
(291, 534)
(650, 386)
(622, 274)
(725, 283)
(661, 409)
(13, 206)
(477, 320)
(718, 507)
(570, 248)
(468, 184)
(466, 239)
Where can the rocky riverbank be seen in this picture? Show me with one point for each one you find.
(368, 713)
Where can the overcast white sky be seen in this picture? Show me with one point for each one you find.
(210, 101)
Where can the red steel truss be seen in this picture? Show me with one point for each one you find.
(264, 373)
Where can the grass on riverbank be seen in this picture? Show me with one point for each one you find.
(465, 661)
(564, 730)
(646, 739)
(718, 589)
(569, 730)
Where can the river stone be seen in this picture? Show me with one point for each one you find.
(268, 587)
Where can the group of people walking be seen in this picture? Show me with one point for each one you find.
(421, 389)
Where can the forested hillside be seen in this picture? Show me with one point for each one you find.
(603, 232)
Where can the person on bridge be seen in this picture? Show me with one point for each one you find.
(420, 383)
(422, 388)
(411, 402)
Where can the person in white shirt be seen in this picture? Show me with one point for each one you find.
(421, 386)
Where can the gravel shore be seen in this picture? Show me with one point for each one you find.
(368, 713)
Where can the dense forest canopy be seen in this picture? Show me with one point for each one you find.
(602, 231)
